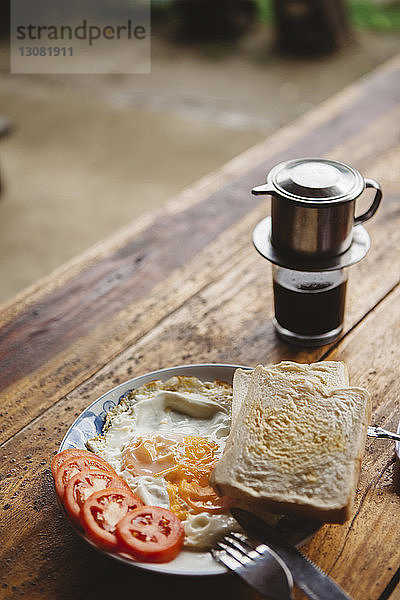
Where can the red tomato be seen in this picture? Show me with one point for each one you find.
(102, 511)
(75, 465)
(63, 456)
(84, 484)
(151, 534)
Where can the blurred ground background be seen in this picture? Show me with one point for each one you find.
(90, 153)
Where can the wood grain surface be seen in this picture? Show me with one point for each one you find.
(185, 285)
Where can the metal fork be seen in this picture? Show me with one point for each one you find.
(257, 564)
(378, 432)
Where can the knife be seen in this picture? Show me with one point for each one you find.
(307, 576)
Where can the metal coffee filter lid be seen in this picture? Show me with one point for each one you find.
(316, 181)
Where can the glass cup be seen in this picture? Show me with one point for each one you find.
(309, 306)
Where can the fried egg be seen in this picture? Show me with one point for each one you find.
(164, 439)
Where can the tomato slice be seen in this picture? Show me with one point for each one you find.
(65, 455)
(151, 534)
(75, 465)
(84, 484)
(102, 511)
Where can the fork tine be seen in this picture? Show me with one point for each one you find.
(241, 557)
(247, 552)
(228, 560)
(249, 544)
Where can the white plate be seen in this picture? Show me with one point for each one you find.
(90, 423)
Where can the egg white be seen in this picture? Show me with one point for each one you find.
(181, 405)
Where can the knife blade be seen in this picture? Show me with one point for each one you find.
(307, 575)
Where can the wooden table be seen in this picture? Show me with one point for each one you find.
(185, 285)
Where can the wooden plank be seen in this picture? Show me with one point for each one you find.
(369, 144)
(110, 285)
(385, 169)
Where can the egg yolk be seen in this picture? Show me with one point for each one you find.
(185, 463)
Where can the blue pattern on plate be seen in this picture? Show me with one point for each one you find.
(90, 423)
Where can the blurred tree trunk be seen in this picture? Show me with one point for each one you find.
(213, 19)
(311, 26)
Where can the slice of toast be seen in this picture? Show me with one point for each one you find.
(296, 442)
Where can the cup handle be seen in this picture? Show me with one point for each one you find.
(371, 183)
(266, 188)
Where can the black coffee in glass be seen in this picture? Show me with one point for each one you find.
(309, 307)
